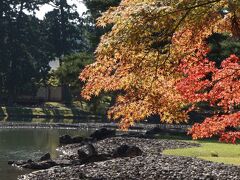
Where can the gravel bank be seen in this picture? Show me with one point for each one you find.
(150, 165)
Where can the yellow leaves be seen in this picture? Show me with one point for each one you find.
(141, 54)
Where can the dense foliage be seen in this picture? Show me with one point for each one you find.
(23, 55)
(69, 71)
(218, 86)
(155, 56)
(95, 9)
(28, 44)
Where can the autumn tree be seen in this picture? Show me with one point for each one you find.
(205, 81)
(221, 46)
(145, 54)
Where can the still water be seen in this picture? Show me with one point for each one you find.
(24, 144)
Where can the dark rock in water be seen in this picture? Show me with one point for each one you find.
(29, 160)
(39, 165)
(103, 133)
(77, 139)
(45, 157)
(127, 151)
(87, 140)
(65, 139)
(153, 131)
(19, 163)
(30, 164)
(10, 162)
(33, 165)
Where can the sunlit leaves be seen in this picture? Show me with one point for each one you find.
(141, 55)
(218, 86)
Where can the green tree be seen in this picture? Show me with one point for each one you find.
(222, 46)
(72, 65)
(28, 44)
(95, 9)
(68, 74)
(24, 52)
(65, 29)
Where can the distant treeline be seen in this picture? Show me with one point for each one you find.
(28, 44)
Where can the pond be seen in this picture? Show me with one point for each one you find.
(27, 143)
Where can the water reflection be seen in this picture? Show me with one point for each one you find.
(17, 144)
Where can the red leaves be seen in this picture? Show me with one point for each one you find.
(230, 137)
(194, 86)
(221, 87)
(218, 125)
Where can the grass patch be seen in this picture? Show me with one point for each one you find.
(211, 151)
(48, 110)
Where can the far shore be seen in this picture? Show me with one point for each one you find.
(46, 112)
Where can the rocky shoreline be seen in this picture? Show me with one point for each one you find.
(144, 161)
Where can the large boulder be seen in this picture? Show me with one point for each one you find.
(82, 155)
(103, 133)
(39, 165)
(91, 150)
(66, 139)
(45, 157)
(77, 139)
(127, 151)
(133, 151)
(91, 155)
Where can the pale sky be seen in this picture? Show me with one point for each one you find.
(44, 9)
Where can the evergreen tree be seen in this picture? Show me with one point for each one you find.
(95, 8)
(24, 53)
(65, 29)
(222, 46)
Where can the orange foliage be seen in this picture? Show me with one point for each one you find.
(140, 57)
